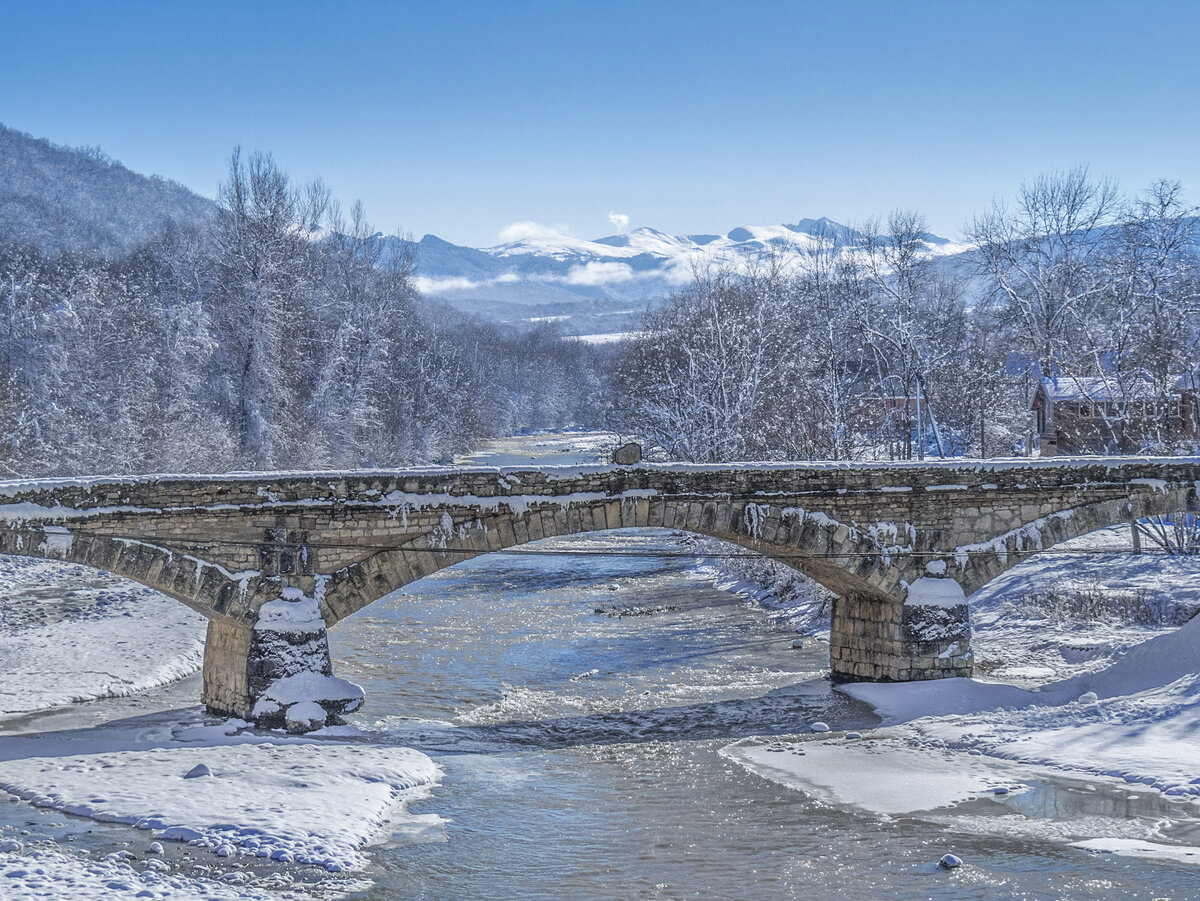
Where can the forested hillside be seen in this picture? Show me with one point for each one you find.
(275, 333)
(61, 198)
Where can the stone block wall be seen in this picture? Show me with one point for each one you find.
(227, 545)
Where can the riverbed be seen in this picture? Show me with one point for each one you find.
(580, 707)
(610, 724)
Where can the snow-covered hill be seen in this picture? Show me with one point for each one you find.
(68, 198)
(539, 266)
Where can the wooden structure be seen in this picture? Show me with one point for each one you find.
(1094, 415)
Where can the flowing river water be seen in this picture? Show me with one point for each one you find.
(579, 705)
(582, 697)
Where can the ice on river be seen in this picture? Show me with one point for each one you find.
(303, 800)
(879, 774)
(1135, 848)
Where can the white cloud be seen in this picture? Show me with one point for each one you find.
(619, 221)
(599, 274)
(439, 285)
(518, 231)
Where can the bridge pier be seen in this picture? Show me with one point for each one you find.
(879, 639)
(226, 689)
(278, 673)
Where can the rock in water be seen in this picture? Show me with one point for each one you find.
(628, 454)
(820, 727)
(950, 862)
(200, 769)
(305, 716)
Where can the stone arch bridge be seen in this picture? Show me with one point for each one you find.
(900, 545)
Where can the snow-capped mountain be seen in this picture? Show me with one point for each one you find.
(538, 265)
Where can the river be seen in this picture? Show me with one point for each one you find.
(579, 706)
(582, 696)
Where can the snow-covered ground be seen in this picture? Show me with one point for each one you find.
(234, 798)
(69, 633)
(1089, 676)
(44, 871)
(311, 800)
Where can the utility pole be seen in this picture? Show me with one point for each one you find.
(920, 424)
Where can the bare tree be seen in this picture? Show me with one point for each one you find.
(263, 240)
(1043, 258)
(708, 380)
(911, 318)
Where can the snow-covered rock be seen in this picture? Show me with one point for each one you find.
(294, 680)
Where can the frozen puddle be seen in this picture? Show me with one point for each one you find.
(286, 799)
(881, 774)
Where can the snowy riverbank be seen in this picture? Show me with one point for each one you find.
(313, 801)
(248, 807)
(1089, 677)
(252, 805)
(69, 633)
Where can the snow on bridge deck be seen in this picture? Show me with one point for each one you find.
(10, 487)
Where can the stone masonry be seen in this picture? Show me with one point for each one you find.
(227, 545)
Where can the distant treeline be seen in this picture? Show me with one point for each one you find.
(870, 347)
(276, 334)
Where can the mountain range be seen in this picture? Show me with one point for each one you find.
(77, 199)
(544, 265)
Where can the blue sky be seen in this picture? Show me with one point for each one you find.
(461, 118)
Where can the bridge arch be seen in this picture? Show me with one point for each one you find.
(830, 554)
(978, 563)
(206, 587)
(228, 545)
